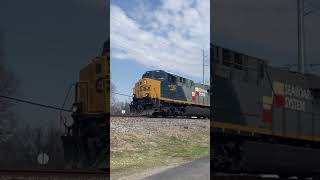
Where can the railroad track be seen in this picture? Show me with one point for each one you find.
(168, 117)
(23, 174)
(222, 176)
(128, 116)
(240, 177)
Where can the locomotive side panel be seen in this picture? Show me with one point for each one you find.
(222, 111)
(293, 96)
(269, 115)
(172, 91)
(259, 96)
(237, 82)
(291, 123)
(192, 93)
(307, 128)
(277, 125)
(161, 93)
(250, 103)
(200, 94)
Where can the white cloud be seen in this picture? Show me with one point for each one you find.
(170, 37)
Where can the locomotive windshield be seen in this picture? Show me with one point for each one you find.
(154, 75)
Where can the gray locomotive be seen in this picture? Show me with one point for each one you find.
(263, 119)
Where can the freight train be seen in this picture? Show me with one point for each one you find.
(263, 119)
(159, 93)
(86, 141)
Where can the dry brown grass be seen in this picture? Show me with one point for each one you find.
(144, 143)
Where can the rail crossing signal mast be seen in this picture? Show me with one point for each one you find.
(302, 64)
(301, 37)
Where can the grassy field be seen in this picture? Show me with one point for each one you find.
(157, 144)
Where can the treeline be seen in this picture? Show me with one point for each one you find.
(23, 147)
(118, 107)
(20, 147)
(8, 86)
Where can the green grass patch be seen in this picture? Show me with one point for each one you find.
(159, 150)
(174, 147)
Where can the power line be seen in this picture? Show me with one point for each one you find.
(121, 94)
(34, 103)
(47, 106)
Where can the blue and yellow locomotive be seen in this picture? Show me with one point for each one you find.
(86, 141)
(159, 93)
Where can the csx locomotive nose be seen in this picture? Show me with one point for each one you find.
(144, 88)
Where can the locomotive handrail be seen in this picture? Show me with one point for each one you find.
(77, 93)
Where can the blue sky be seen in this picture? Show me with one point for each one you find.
(162, 34)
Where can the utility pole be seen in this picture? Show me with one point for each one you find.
(203, 67)
(301, 37)
(1, 46)
(1, 43)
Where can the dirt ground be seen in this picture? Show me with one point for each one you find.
(141, 147)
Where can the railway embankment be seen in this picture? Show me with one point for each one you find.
(143, 146)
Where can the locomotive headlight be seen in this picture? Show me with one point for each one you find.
(75, 108)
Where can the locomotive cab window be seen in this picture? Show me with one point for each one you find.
(157, 75)
(226, 57)
(182, 80)
(238, 61)
(146, 75)
(172, 79)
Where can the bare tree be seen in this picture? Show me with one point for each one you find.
(113, 89)
(7, 88)
(114, 101)
(116, 105)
